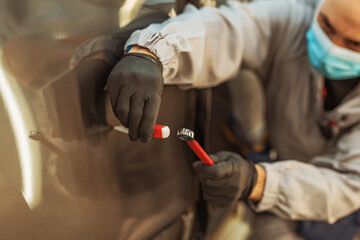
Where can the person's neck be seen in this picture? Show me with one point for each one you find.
(337, 90)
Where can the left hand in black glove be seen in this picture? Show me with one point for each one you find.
(230, 179)
(135, 86)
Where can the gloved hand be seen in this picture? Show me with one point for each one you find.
(75, 100)
(135, 86)
(230, 179)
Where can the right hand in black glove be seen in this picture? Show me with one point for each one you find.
(135, 86)
(230, 179)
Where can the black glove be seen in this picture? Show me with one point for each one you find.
(75, 101)
(230, 179)
(135, 86)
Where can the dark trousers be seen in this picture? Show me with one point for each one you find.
(344, 229)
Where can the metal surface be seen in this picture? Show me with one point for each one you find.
(103, 186)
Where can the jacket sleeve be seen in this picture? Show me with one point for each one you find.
(326, 189)
(115, 42)
(204, 47)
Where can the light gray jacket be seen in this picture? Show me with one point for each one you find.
(319, 178)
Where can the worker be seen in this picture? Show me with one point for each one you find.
(307, 55)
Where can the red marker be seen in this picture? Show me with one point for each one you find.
(160, 131)
(188, 136)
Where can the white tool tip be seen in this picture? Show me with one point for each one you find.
(165, 132)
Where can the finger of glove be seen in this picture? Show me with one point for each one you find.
(227, 193)
(217, 171)
(219, 201)
(114, 96)
(228, 190)
(151, 110)
(209, 182)
(135, 114)
(123, 107)
(222, 156)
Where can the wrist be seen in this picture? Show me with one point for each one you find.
(145, 56)
(139, 49)
(258, 190)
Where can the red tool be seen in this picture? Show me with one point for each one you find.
(160, 131)
(188, 136)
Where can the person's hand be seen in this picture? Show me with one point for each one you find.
(75, 101)
(135, 86)
(230, 179)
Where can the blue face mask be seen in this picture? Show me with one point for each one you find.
(333, 62)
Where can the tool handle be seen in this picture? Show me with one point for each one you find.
(160, 131)
(199, 151)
